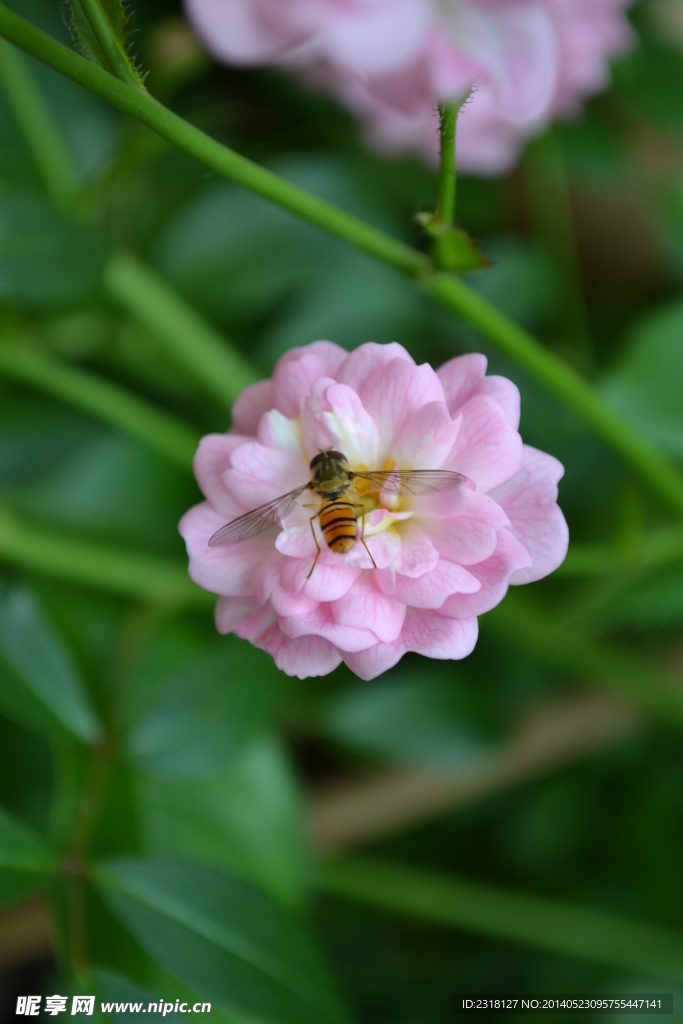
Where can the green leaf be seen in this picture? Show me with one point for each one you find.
(223, 939)
(46, 257)
(646, 385)
(208, 711)
(249, 819)
(40, 683)
(99, 29)
(25, 862)
(407, 718)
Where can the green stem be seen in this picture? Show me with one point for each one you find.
(113, 50)
(654, 467)
(193, 342)
(35, 122)
(448, 114)
(518, 917)
(105, 567)
(559, 646)
(106, 401)
(550, 214)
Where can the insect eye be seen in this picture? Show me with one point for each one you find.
(316, 459)
(336, 455)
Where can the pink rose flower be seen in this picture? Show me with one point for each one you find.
(442, 559)
(392, 61)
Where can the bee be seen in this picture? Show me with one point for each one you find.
(332, 480)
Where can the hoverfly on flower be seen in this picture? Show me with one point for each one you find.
(333, 481)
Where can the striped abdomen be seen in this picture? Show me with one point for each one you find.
(338, 522)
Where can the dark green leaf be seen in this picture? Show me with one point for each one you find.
(25, 862)
(224, 939)
(407, 718)
(646, 385)
(46, 257)
(207, 711)
(40, 682)
(249, 819)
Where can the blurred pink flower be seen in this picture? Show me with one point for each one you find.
(392, 61)
(442, 559)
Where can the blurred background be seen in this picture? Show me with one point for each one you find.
(549, 764)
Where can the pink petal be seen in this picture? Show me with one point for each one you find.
(223, 570)
(461, 379)
(233, 32)
(321, 623)
(251, 405)
(417, 555)
(303, 657)
(429, 633)
(334, 417)
(529, 499)
(433, 588)
(366, 607)
(244, 617)
(374, 39)
(424, 632)
(267, 587)
(364, 361)
(427, 438)
(494, 575)
(210, 463)
(276, 431)
(261, 474)
(488, 449)
(503, 391)
(328, 582)
(296, 371)
(375, 660)
(472, 536)
(394, 393)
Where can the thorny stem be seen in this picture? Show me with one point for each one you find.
(653, 466)
(448, 113)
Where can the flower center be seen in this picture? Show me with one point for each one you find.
(367, 494)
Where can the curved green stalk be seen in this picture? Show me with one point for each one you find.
(519, 917)
(653, 467)
(105, 567)
(108, 402)
(36, 124)
(192, 340)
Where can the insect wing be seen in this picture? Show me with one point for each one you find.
(412, 481)
(258, 520)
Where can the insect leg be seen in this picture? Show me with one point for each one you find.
(362, 535)
(316, 544)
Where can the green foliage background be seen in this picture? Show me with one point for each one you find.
(157, 782)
